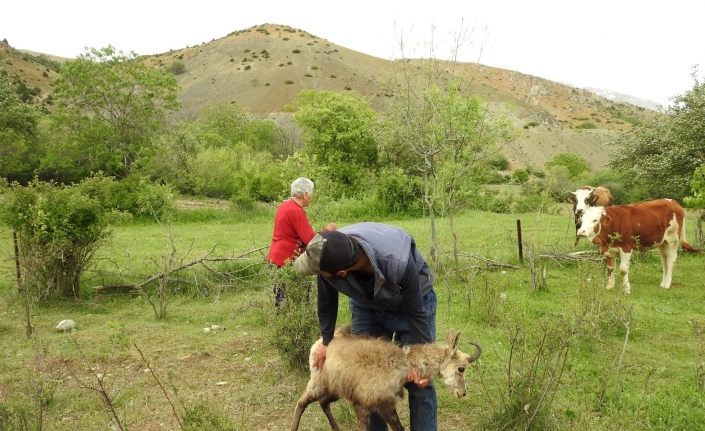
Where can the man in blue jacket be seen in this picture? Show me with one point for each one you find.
(391, 295)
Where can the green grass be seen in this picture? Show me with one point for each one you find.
(655, 387)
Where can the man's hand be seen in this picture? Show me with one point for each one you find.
(319, 356)
(330, 227)
(413, 376)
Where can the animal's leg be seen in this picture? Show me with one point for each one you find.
(669, 254)
(363, 418)
(325, 405)
(663, 254)
(306, 399)
(624, 261)
(610, 260)
(389, 413)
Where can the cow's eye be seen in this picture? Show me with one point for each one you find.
(461, 369)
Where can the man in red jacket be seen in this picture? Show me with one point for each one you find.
(292, 230)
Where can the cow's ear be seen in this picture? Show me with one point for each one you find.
(606, 220)
(572, 198)
(592, 199)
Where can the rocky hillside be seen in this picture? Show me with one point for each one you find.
(263, 68)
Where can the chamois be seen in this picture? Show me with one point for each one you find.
(371, 373)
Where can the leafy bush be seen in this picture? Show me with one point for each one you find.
(294, 321)
(575, 164)
(499, 162)
(177, 67)
(397, 192)
(520, 176)
(134, 195)
(58, 230)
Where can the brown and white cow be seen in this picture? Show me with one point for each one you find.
(586, 197)
(620, 229)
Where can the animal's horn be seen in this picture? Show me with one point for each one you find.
(478, 351)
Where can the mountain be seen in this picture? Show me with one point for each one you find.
(263, 68)
(626, 98)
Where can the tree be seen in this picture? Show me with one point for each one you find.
(19, 137)
(446, 134)
(338, 130)
(109, 106)
(697, 199)
(662, 156)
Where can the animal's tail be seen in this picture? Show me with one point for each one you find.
(684, 244)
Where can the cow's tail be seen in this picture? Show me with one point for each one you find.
(684, 244)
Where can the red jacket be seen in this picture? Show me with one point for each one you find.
(292, 232)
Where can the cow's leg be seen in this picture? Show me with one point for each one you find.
(610, 260)
(624, 261)
(669, 253)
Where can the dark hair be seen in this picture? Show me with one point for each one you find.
(340, 251)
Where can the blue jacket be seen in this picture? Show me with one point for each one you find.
(401, 279)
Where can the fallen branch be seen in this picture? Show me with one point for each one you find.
(202, 261)
(576, 256)
(486, 263)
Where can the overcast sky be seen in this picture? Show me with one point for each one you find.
(642, 48)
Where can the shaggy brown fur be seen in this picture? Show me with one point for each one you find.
(371, 373)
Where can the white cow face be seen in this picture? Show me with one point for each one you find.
(582, 200)
(591, 218)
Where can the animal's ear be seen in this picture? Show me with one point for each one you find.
(572, 198)
(592, 199)
(606, 220)
(453, 339)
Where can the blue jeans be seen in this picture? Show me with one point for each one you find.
(423, 404)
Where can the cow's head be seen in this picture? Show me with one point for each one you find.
(590, 222)
(583, 199)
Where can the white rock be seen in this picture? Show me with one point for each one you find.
(66, 325)
(223, 383)
(206, 330)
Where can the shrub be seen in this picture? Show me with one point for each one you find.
(134, 195)
(398, 193)
(294, 321)
(520, 176)
(177, 67)
(499, 162)
(58, 230)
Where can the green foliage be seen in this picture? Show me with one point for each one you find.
(109, 106)
(576, 165)
(338, 130)
(520, 176)
(398, 193)
(19, 141)
(224, 172)
(59, 230)
(177, 67)
(661, 157)
(586, 126)
(294, 322)
(499, 162)
(134, 195)
(697, 187)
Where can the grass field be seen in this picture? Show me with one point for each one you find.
(567, 355)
